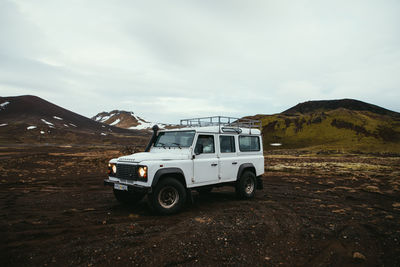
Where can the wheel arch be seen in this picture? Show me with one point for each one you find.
(245, 167)
(169, 172)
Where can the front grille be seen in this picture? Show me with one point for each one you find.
(127, 172)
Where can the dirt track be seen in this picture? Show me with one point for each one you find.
(313, 211)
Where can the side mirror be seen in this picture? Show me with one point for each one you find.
(199, 149)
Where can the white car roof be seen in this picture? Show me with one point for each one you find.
(217, 129)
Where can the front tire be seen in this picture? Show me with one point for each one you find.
(168, 197)
(128, 198)
(246, 185)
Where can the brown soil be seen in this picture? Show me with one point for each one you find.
(314, 211)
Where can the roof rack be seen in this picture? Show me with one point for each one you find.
(225, 124)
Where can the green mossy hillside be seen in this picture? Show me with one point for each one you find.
(341, 130)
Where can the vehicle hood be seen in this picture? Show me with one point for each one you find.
(148, 156)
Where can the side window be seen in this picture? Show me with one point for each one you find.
(206, 142)
(249, 143)
(227, 144)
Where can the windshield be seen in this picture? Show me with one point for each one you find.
(175, 139)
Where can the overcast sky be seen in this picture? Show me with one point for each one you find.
(166, 60)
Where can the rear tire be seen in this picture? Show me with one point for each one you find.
(168, 197)
(128, 198)
(246, 185)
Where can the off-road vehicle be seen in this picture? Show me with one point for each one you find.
(201, 154)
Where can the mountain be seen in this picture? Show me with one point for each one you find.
(338, 125)
(27, 119)
(325, 105)
(124, 119)
(333, 125)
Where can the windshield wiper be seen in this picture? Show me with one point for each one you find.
(162, 144)
(179, 145)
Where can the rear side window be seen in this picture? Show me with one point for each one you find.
(249, 143)
(227, 144)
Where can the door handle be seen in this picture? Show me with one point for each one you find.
(234, 163)
(214, 164)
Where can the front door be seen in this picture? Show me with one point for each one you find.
(205, 163)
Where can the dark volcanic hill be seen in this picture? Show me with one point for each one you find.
(26, 119)
(326, 105)
(337, 125)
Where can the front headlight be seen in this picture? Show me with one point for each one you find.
(112, 169)
(142, 172)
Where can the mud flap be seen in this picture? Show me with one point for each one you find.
(259, 183)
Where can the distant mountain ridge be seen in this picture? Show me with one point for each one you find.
(124, 119)
(30, 118)
(339, 125)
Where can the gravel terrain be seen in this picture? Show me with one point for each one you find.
(314, 210)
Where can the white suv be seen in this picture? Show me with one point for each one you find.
(203, 153)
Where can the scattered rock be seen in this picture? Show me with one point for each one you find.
(359, 256)
(372, 189)
(202, 220)
(339, 211)
(89, 209)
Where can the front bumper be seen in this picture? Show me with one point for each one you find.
(131, 188)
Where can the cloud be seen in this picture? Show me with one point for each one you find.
(195, 58)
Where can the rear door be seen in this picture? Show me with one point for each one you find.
(205, 165)
(228, 158)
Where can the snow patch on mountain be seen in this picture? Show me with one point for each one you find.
(275, 144)
(4, 104)
(48, 123)
(146, 126)
(115, 122)
(102, 119)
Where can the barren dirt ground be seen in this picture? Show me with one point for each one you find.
(313, 211)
